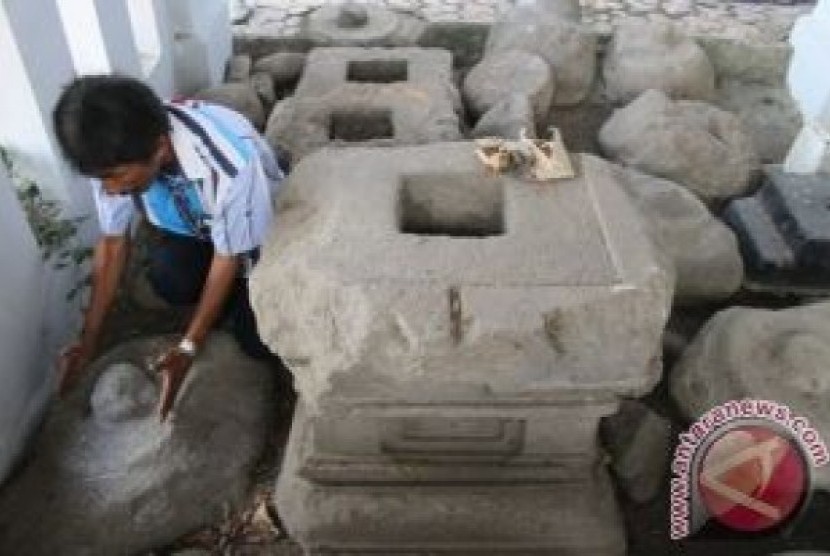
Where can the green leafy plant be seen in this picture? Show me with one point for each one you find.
(56, 234)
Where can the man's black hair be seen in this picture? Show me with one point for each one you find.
(103, 121)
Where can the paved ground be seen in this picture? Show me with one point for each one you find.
(755, 22)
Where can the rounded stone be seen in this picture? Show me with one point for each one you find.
(695, 144)
(703, 251)
(284, 68)
(566, 46)
(747, 353)
(352, 16)
(508, 118)
(123, 392)
(351, 25)
(503, 74)
(656, 55)
(241, 97)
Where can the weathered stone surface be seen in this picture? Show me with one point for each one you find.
(744, 353)
(374, 96)
(568, 9)
(498, 516)
(455, 330)
(767, 112)
(241, 97)
(693, 143)
(285, 68)
(507, 118)
(570, 50)
(353, 24)
(107, 478)
(646, 55)
(639, 443)
(702, 251)
(239, 68)
(264, 87)
(424, 225)
(512, 72)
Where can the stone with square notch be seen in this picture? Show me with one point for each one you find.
(410, 265)
(455, 339)
(381, 97)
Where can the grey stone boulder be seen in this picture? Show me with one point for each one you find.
(638, 441)
(747, 353)
(568, 9)
(570, 49)
(106, 477)
(241, 97)
(239, 68)
(501, 74)
(285, 68)
(702, 250)
(264, 87)
(507, 119)
(768, 113)
(279, 118)
(654, 55)
(361, 24)
(701, 147)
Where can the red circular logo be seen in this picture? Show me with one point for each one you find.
(752, 478)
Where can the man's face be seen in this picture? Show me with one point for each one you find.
(134, 177)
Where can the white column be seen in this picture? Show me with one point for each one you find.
(37, 64)
(203, 43)
(809, 82)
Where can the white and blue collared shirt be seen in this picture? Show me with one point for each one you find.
(224, 193)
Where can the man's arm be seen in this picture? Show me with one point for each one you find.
(175, 363)
(217, 287)
(108, 264)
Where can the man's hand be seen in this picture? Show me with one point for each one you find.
(71, 363)
(173, 366)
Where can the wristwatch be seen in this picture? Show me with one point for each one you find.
(188, 347)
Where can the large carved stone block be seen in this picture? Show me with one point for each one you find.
(455, 339)
(382, 97)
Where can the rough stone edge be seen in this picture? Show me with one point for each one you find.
(760, 63)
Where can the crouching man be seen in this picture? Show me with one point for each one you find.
(201, 175)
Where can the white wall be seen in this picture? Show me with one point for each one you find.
(23, 375)
(34, 70)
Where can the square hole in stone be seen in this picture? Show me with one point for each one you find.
(378, 71)
(361, 125)
(455, 205)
